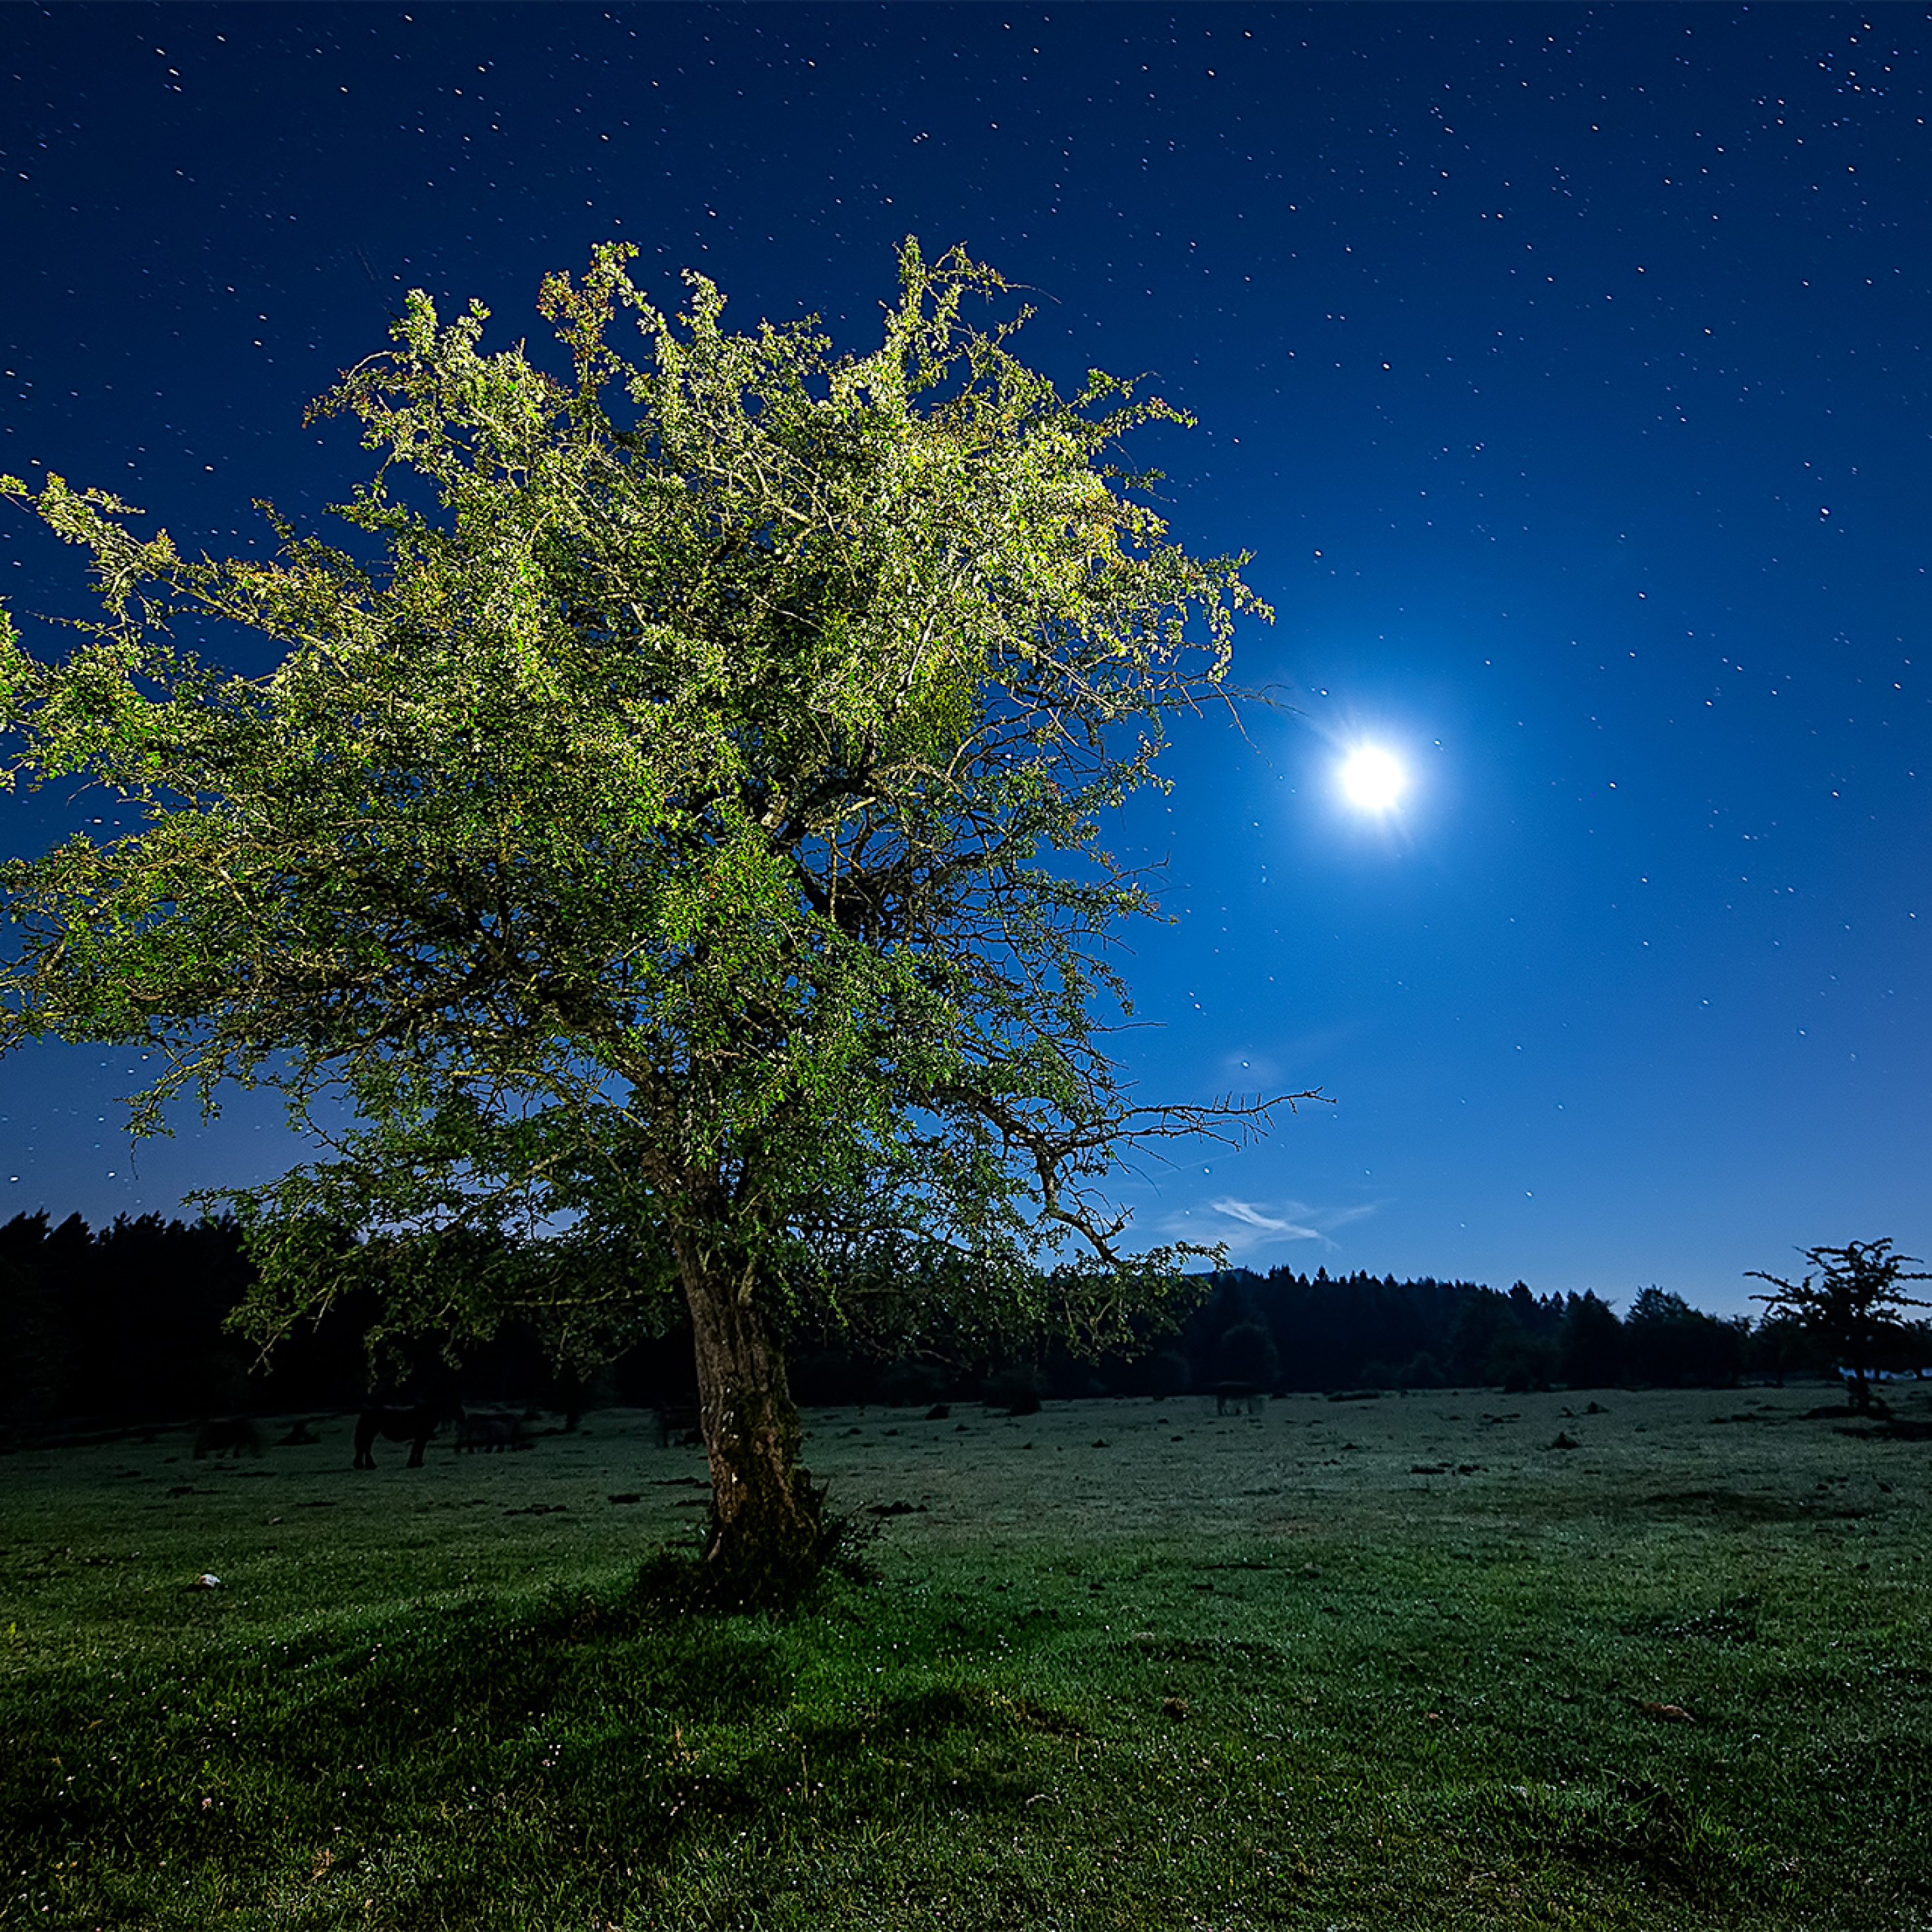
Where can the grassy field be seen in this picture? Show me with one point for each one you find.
(1379, 1663)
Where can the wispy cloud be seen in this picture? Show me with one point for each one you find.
(1248, 1225)
(1267, 1224)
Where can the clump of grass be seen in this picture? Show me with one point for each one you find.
(1648, 1829)
(680, 1580)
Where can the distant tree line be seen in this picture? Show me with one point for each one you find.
(1318, 1333)
(1283, 1332)
(123, 1325)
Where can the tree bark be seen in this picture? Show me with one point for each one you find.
(766, 1528)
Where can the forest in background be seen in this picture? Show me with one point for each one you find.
(123, 1325)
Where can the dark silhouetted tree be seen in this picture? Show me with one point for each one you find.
(38, 1356)
(1247, 1353)
(1590, 1343)
(1851, 1305)
(1486, 1331)
(1671, 1345)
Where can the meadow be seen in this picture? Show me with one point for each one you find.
(1445, 1660)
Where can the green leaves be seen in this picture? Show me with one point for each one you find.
(674, 806)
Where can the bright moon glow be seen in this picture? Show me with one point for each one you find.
(1372, 779)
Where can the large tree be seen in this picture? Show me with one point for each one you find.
(664, 857)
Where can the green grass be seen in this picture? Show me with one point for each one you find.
(1273, 1673)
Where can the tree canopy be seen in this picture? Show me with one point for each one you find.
(668, 837)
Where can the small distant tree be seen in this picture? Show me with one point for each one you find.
(1851, 1304)
(1780, 1343)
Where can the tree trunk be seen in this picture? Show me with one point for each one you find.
(766, 1533)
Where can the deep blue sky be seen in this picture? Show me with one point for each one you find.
(1564, 366)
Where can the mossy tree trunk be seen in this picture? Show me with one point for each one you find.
(767, 1531)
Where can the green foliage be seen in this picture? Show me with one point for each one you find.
(670, 829)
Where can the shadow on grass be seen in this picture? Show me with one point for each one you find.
(434, 1706)
(1733, 1622)
(443, 1759)
(1642, 1829)
(1730, 1509)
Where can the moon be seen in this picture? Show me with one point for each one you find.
(1372, 779)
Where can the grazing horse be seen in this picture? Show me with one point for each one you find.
(1234, 1397)
(414, 1425)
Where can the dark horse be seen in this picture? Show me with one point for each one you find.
(414, 1425)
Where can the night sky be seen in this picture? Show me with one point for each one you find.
(1564, 367)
